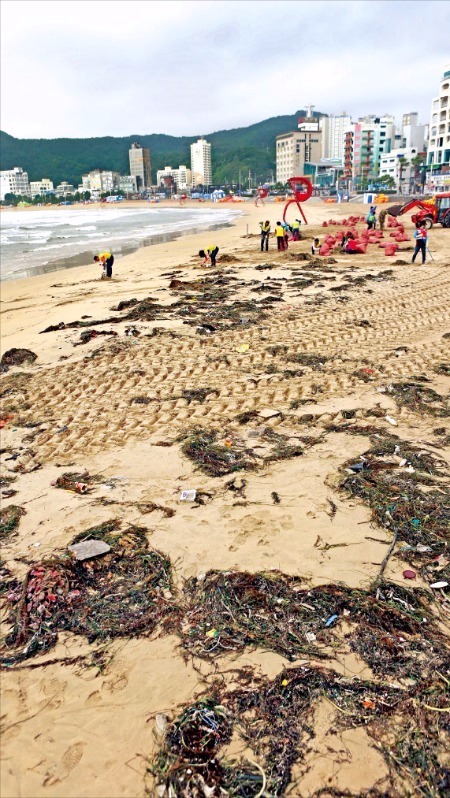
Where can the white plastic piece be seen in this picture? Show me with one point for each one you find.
(391, 420)
(439, 585)
(188, 495)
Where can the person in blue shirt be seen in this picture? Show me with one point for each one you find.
(421, 236)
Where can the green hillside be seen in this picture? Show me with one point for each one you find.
(242, 149)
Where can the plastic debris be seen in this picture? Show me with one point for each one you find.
(89, 548)
(243, 348)
(409, 574)
(311, 637)
(391, 420)
(439, 585)
(331, 620)
(188, 495)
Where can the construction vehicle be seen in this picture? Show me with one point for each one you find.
(432, 210)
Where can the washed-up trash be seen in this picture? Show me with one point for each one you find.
(331, 620)
(391, 420)
(243, 348)
(439, 585)
(188, 495)
(212, 633)
(409, 574)
(357, 467)
(441, 562)
(310, 636)
(161, 725)
(89, 548)
(228, 442)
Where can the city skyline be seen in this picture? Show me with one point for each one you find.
(209, 74)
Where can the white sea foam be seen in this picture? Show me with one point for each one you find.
(40, 238)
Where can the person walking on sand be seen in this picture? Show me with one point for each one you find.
(371, 218)
(382, 217)
(106, 260)
(210, 255)
(265, 235)
(279, 233)
(421, 236)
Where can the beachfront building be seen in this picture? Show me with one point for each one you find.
(140, 166)
(201, 171)
(399, 164)
(298, 151)
(365, 142)
(333, 135)
(99, 181)
(128, 184)
(39, 188)
(182, 177)
(438, 159)
(14, 181)
(64, 189)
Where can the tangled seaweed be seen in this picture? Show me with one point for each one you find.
(275, 720)
(419, 398)
(123, 593)
(9, 520)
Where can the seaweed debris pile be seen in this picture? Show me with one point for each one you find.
(275, 720)
(407, 489)
(122, 592)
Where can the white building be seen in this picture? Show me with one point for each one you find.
(100, 180)
(128, 184)
(181, 176)
(393, 163)
(412, 134)
(439, 131)
(41, 187)
(201, 163)
(333, 135)
(14, 181)
(64, 188)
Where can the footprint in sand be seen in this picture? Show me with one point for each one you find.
(70, 759)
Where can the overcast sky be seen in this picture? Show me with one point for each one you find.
(82, 68)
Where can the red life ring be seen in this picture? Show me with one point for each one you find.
(301, 187)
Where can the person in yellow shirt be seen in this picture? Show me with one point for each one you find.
(279, 232)
(107, 260)
(209, 254)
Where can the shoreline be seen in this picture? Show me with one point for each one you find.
(120, 251)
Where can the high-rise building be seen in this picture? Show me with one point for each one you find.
(201, 171)
(439, 130)
(14, 181)
(298, 151)
(140, 165)
(100, 180)
(333, 135)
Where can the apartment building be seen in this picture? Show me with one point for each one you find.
(100, 181)
(333, 135)
(201, 170)
(365, 142)
(298, 151)
(439, 131)
(39, 188)
(182, 176)
(140, 165)
(399, 164)
(14, 181)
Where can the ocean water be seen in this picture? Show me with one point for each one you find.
(39, 241)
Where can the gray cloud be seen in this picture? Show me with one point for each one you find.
(89, 68)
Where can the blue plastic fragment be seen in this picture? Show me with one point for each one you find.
(331, 620)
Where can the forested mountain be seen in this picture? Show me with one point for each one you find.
(241, 149)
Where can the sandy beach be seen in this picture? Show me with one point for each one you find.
(294, 368)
